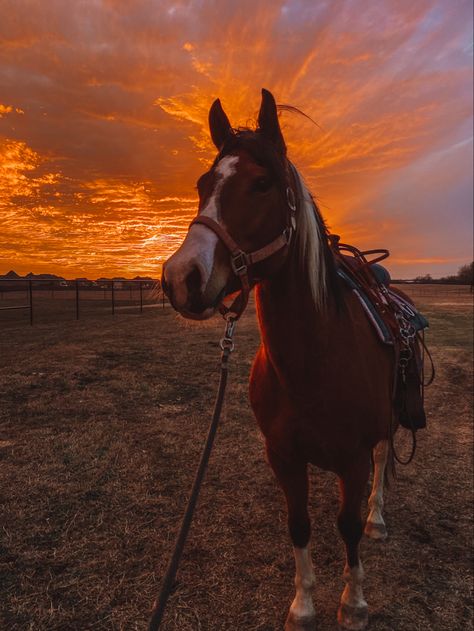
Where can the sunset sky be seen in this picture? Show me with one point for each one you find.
(103, 123)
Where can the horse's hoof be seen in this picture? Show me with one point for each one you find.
(303, 623)
(353, 618)
(378, 532)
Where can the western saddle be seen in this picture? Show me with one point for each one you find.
(397, 322)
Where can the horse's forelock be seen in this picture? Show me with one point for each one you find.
(263, 151)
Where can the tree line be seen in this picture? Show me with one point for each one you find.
(464, 276)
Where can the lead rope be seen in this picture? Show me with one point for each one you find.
(227, 346)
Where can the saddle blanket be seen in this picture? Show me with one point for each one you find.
(408, 310)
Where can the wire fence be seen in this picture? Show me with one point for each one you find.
(76, 297)
(40, 299)
(420, 290)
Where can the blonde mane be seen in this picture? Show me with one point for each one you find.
(309, 241)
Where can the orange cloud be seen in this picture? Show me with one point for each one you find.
(104, 126)
(5, 109)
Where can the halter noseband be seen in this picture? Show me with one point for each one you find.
(242, 261)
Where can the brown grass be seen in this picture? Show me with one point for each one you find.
(101, 427)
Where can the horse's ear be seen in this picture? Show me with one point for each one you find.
(268, 123)
(219, 124)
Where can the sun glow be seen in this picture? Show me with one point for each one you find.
(103, 124)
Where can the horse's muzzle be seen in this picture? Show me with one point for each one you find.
(185, 294)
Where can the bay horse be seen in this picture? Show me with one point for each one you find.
(321, 381)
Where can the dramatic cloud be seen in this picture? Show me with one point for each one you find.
(103, 122)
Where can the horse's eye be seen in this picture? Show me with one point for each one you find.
(262, 184)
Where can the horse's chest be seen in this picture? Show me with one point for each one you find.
(309, 419)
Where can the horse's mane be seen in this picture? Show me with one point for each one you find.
(311, 244)
(295, 110)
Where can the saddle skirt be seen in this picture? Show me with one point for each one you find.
(374, 314)
(396, 321)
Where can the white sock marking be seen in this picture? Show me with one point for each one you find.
(376, 496)
(352, 594)
(302, 605)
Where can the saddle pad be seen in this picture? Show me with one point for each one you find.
(410, 313)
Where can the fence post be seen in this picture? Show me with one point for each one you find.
(113, 297)
(77, 299)
(30, 296)
(141, 296)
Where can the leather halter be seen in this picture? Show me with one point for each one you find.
(242, 261)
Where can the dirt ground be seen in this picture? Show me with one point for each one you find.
(101, 426)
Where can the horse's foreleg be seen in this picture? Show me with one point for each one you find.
(293, 479)
(353, 612)
(375, 526)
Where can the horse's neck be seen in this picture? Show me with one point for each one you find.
(295, 325)
(292, 328)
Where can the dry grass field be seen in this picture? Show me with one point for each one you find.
(101, 425)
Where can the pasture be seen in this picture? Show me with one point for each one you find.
(101, 425)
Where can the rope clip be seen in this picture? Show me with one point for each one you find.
(227, 342)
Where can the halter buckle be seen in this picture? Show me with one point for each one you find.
(239, 263)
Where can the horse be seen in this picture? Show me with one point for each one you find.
(321, 381)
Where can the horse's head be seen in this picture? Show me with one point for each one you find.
(245, 216)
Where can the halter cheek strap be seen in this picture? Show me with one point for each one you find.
(238, 258)
(242, 261)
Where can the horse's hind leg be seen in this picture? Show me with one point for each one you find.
(293, 479)
(353, 612)
(375, 526)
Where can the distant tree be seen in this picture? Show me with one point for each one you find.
(427, 278)
(465, 274)
(450, 280)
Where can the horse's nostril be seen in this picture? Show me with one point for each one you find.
(193, 284)
(193, 281)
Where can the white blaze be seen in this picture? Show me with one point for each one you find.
(200, 243)
(204, 241)
(224, 170)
